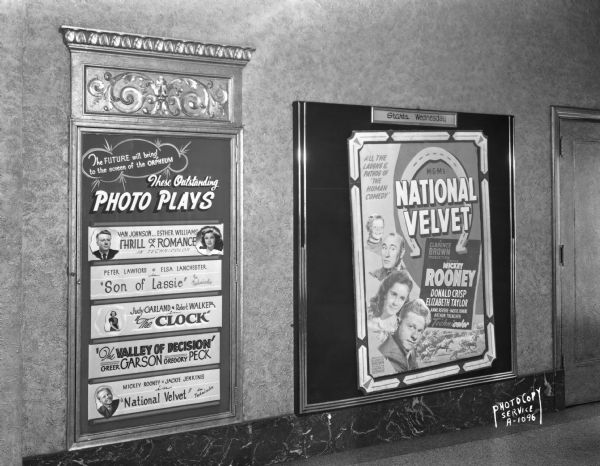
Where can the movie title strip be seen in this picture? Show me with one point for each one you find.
(168, 315)
(400, 116)
(127, 280)
(136, 242)
(119, 398)
(133, 357)
(166, 201)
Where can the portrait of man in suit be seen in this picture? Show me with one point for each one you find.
(104, 252)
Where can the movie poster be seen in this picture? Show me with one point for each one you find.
(156, 242)
(420, 219)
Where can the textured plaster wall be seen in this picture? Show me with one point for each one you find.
(513, 57)
(11, 226)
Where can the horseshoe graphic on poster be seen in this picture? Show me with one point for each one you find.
(431, 154)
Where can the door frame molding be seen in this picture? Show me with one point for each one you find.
(558, 114)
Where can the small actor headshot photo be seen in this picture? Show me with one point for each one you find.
(105, 402)
(112, 322)
(104, 251)
(209, 241)
(374, 226)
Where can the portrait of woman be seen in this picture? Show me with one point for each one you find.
(209, 241)
(112, 318)
(382, 316)
(113, 322)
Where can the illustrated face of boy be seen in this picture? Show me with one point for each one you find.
(410, 330)
(395, 298)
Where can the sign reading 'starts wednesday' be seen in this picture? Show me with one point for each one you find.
(422, 252)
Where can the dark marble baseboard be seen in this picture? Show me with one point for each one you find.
(286, 438)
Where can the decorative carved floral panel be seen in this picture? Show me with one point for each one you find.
(143, 93)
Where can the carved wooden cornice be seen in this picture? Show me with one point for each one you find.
(80, 38)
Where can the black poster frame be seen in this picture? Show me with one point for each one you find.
(325, 329)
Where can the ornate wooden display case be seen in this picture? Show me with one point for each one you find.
(155, 154)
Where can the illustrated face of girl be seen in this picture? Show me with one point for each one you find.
(377, 229)
(395, 298)
(209, 240)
